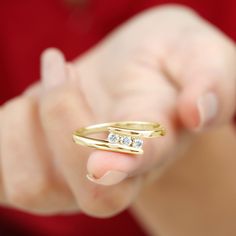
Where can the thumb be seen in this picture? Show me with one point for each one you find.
(150, 98)
(209, 102)
(208, 83)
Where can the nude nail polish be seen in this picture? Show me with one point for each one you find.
(109, 178)
(207, 106)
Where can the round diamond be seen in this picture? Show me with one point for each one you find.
(113, 138)
(126, 140)
(137, 143)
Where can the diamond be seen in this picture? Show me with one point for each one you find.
(137, 143)
(113, 138)
(126, 140)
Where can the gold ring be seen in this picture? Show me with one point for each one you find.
(124, 136)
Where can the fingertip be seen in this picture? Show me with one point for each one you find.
(53, 71)
(51, 53)
(101, 162)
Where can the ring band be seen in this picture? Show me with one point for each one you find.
(124, 136)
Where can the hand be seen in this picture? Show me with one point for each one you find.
(166, 65)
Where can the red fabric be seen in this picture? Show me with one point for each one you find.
(26, 29)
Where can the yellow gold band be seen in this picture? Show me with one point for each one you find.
(124, 136)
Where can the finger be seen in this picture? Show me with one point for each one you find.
(62, 111)
(148, 97)
(29, 179)
(53, 71)
(204, 67)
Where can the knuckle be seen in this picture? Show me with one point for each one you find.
(177, 12)
(177, 8)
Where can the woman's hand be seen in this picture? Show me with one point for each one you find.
(166, 65)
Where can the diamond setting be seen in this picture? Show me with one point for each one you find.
(126, 140)
(137, 143)
(113, 138)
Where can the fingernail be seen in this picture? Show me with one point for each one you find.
(207, 106)
(109, 178)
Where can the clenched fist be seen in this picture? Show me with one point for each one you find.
(166, 65)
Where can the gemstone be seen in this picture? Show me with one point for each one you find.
(137, 143)
(113, 138)
(126, 140)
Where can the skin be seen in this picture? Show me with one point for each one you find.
(196, 195)
(151, 68)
